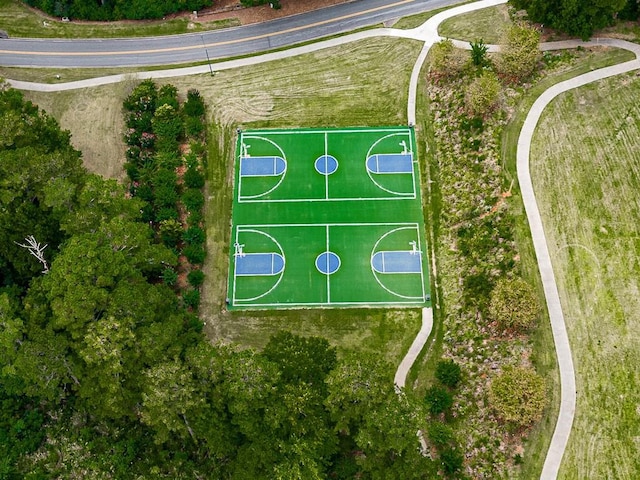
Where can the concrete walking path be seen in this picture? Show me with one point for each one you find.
(415, 348)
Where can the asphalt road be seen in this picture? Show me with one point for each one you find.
(217, 44)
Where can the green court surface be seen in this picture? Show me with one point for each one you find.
(327, 218)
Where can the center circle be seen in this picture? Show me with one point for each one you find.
(326, 164)
(328, 263)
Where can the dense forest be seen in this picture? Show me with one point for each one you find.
(116, 9)
(578, 17)
(105, 10)
(104, 370)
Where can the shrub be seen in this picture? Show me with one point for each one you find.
(191, 299)
(446, 60)
(142, 98)
(448, 373)
(193, 235)
(170, 231)
(168, 161)
(163, 177)
(479, 53)
(518, 395)
(193, 200)
(438, 400)
(194, 219)
(166, 214)
(193, 126)
(168, 95)
(519, 53)
(144, 192)
(194, 253)
(440, 434)
(169, 276)
(451, 460)
(193, 178)
(195, 278)
(194, 106)
(483, 94)
(514, 304)
(165, 196)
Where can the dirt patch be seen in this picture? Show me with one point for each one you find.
(224, 9)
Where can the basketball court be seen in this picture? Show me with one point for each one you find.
(327, 218)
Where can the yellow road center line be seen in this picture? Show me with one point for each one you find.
(216, 44)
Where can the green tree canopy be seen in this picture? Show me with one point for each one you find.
(575, 17)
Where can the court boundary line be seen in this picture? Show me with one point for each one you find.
(390, 132)
(405, 300)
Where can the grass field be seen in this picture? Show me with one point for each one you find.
(20, 21)
(488, 24)
(327, 218)
(587, 177)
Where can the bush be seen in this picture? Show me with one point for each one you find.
(518, 395)
(194, 106)
(165, 196)
(194, 253)
(514, 304)
(451, 460)
(194, 219)
(191, 299)
(193, 178)
(195, 278)
(519, 53)
(170, 231)
(142, 98)
(438, 399)
(169, 276)
(483, 94)
(193, 200)
(163, 177)
(168, 95)
(194, 235)
(166, 213)
(448, 373)
(479, 53)
(439, 434)
(446, 60)
(168, 161)
(193, 126)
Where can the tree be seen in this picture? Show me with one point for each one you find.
(169, 396)
(519, 52)
(575, 17)
(301, 359)
(514, 304)
(39, 169)
(483, 94)
(518, 395)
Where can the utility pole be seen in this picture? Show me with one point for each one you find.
(207, 52)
